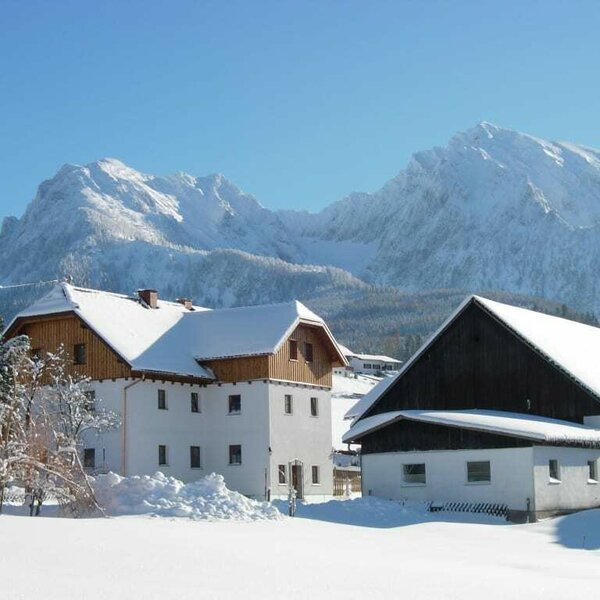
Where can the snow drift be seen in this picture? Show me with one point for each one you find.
(207, 499)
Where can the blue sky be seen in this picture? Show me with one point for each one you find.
(296, 102)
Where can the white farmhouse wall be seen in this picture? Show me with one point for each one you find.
(301, 436)
(446, 476)
(262, 424)
(574, 491)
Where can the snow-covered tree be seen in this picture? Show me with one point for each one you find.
(45, 412)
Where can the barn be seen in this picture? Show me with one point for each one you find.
(500, 406)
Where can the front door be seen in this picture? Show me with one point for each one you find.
(297, 479)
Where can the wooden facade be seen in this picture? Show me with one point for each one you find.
(48, 333)
(477, 362)
(280, 366)
(316, 372)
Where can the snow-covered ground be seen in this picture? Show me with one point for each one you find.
(394, 553)
(346, 392)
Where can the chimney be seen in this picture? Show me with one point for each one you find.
(185, 302)
(149, 297)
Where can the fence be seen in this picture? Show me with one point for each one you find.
(346, 481)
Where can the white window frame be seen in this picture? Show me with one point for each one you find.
(282, 472)
(164, 391)
(199, 403)
(557, 479)
(316, 399)
(234, 412)
(481, 482)
(199, 457)
(592, 471)
(405, 474)
(312, 474)
(285, 404)
(235, 464)
(166, 463)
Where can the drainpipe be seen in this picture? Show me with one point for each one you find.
(124, 423)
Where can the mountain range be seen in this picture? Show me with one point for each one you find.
(493, 210)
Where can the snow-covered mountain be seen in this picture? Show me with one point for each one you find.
(494, 209)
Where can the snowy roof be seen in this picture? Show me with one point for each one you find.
(377, 357)
(526, 426)
(573, 347)
(172, 338)
(373, 357)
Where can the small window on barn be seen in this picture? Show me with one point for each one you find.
(90, 400)
(414, 473)
(479, 471)
(367, 366)
(282, 474)
(79, 354)
(288, 405)
(195, 402)
(36, 353)
(235, 404)
(554, 470)
(162, 455)
(235, 454)
(308, 352)
(195, 457)
(316, 475)
(592, 471)
(314, 407)
(293, 350)
(162, 400)
(89, 458)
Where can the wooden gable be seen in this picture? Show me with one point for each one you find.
(49, 332)
(478, 362)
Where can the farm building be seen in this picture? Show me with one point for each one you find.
(500, 406)
(245, 392)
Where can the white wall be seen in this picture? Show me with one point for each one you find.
(574, 491)
(261, 424)
(446, 476)
(301, 436)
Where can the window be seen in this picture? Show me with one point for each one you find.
(414, 473)
(79, 354)
(89, 458)
(479, 471)
(90, 400)
(314, 407)
(36, 353)
(162, 455)
(288, 406)
(315, 475)
(308, 352)
(293, 350)
(235, 404)
(235, 454)
(282, 474)
(592, 470)
(553, 470)
(367, 366)
(195, 457)
(195, 402)
(162, 400)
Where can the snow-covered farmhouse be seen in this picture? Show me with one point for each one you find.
(244, 392)
(500, 406)
(369, 364)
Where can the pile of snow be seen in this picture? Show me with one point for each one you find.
(371, 511)
(207, 499)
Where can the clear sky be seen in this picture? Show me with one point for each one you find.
(297, 102)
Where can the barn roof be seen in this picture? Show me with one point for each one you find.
(173, 338)
(572, 347)
(525, 426)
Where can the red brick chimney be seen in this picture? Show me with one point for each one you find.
(149, 297)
